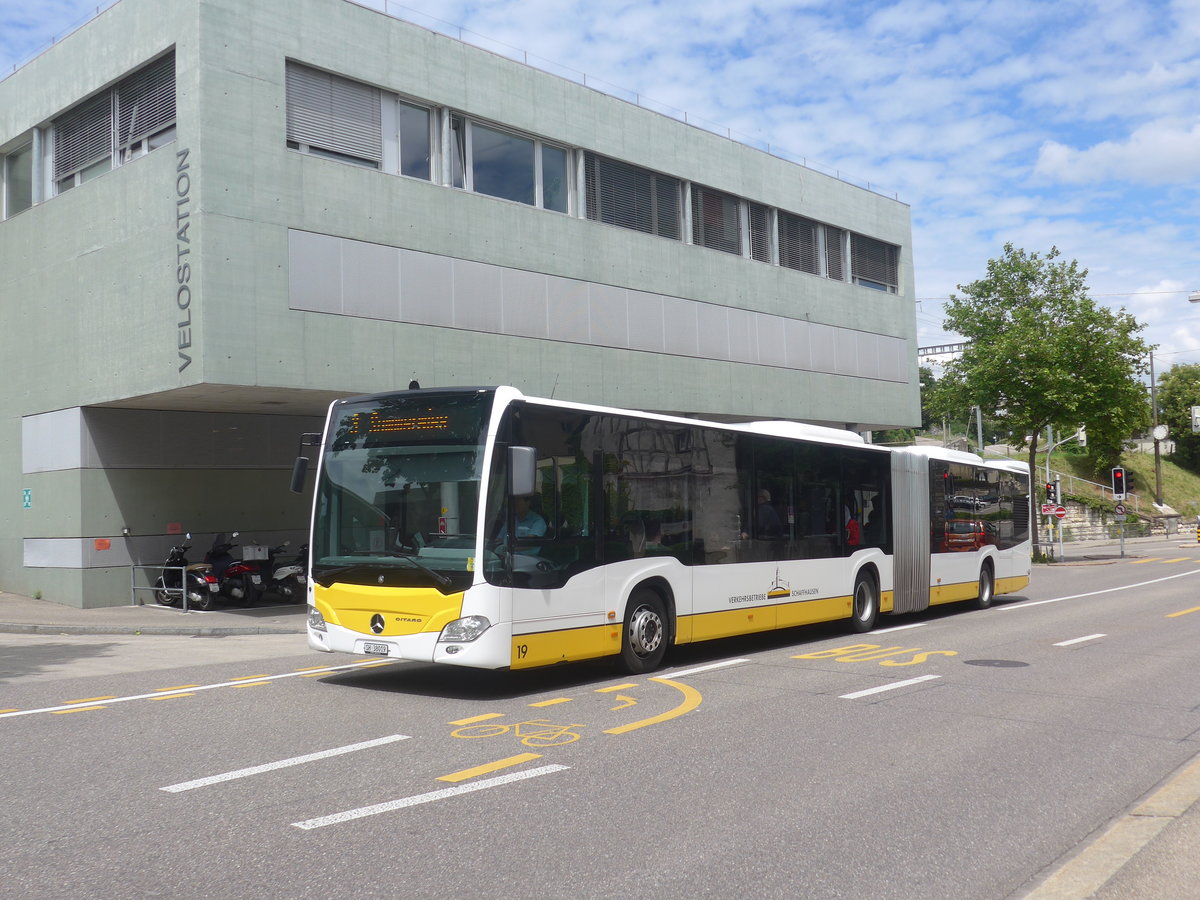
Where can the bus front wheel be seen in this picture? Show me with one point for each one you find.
(865, 603)
(644, 642)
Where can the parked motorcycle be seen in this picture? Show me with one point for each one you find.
(168, 590)
(288, 580)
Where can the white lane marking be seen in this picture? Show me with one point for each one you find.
(283, 763)
(1127, 587)
(887, 687)
(697, 669)
(188, 690)
(898, 628)
(1090, 637)
(404, 802)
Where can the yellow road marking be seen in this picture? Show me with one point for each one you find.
(14, 709)
(629, 701)
(90, 699)
(475, 719)
(1149, 559)
(312, 669)
(246, 684)
(63, 712)
(691, 699)
(178, 687)
(250, 677)
(553, 702)
(316, 674)
(1183, 612)
(490, 767)
(615, 688)
(1178, 559)
(172, 696)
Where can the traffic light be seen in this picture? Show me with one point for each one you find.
(1051, 492)
(1118, 483)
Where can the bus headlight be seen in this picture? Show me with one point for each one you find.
(465, 629)
(316, 621)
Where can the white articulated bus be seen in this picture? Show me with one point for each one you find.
(479, 527)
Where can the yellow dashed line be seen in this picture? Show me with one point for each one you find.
(249, 684)
(554, 702)
(474, 719)
(1178, 559)
(1142, 562)
(90, 699)
(171, 696)
(178, 687)
(386, 662)
(250, 677)
(615, 688)
(312, 669)
(1183, 612)
(490, 767)
(9, 710)
(63, 712)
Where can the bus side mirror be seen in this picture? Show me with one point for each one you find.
(522, 470)
(300, 467)
(299, 470)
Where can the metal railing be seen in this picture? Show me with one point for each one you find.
(152, 586)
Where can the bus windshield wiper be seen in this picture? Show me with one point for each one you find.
(438, 578)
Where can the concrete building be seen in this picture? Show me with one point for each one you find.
(218, 215)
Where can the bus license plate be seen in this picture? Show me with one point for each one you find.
(375, 649)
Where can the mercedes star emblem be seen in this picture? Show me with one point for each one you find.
(377, 623)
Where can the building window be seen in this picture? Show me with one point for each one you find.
(17, 172)
(835, 253)
(760, 232)
(631, 197)
(715, 220)
(487, 160)
(555, 178)
(502, 164)
(331, 116)
(874, 264)
(131, 119)
(415, 144)
(799, 243)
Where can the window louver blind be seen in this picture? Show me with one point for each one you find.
(873, 259)
(83, 136)
(715, 220)
(631, 197)
(333, 113)
(835, 267)
(760, 232)
(798, 243)
(145, 101)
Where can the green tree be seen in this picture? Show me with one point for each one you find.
(1178, 392)
(1042, 353)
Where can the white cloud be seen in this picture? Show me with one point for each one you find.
(1158, 153)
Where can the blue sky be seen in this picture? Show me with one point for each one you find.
(1073, 123)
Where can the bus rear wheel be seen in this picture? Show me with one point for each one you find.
(644, 641)
(987, 587)
(865, 603)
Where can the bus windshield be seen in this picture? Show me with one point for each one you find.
(398, 496)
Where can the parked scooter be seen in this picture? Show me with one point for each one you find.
(288, 580)
(233, 577)
(168, 590)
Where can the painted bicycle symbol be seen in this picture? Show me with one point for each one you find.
(536, 733)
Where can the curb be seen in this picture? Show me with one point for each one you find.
(201, 631)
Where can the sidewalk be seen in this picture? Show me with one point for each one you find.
(24, 615)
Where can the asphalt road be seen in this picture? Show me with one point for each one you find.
(950, 754)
